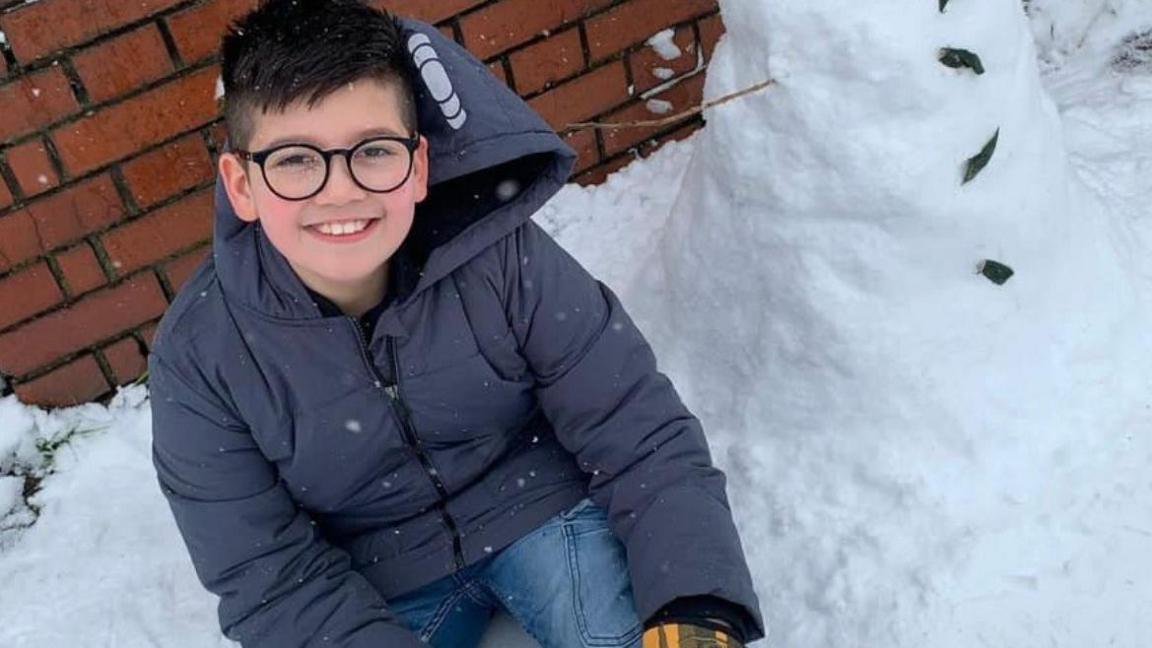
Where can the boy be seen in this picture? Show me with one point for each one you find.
(389, 404)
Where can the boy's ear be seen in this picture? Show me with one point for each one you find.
(420, 169)
(238, 187)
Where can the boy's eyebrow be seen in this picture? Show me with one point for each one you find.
(358, 137)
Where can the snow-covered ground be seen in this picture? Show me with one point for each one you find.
(917, 456)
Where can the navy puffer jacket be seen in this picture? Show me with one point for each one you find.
(315, 471)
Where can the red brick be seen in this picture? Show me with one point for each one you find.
(198, 30)
(125, 360)
(120, 65)
(161, 233)
(6, 198)
(27, 293)
(585, 96)
(599, 174)
(3, 67)
(34, 101)
(537, 66)
(645, 61)
(81, 269)
(119, 130)
(40, 28)
(504, 25)
(584, 143)
(98, 316)
(62, 218)
(683, 96)
(432, 11)
(636, 21)
(32, 167)
(179, 270)
(168, 170)
(79, 381)
(76, 211)
(18, 239)
(711, 29)
(148, 333)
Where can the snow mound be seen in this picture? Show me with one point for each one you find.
(919, 455)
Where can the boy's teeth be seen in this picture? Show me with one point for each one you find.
(340, 229)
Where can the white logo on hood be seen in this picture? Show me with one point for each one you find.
(436, 80)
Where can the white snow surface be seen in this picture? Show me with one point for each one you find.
(916, 456)
(664, 45)
(659, 106)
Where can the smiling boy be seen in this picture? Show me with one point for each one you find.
(389, 404)
(337, 224)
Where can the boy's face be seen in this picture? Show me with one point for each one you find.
(332, 265)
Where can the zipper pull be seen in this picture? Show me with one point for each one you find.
(392, 392)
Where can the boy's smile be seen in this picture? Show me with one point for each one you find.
(343, 231)
(339, 240)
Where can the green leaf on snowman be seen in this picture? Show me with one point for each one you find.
(961, 58)
(977, 163)
(996, 272)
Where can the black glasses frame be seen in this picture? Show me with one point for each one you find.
(259, 157)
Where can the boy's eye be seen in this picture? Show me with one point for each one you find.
(377, 151)
(296, 159)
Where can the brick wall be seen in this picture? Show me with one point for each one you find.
(109, 131)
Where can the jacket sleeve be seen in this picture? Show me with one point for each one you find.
(280, 584)
(599, 386)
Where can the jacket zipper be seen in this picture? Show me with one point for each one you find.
(408, 432)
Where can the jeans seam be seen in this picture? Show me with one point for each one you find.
(440, 615)
(586, 636)
(475, 592)
(574, 573)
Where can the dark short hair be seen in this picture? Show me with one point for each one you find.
(290, 50)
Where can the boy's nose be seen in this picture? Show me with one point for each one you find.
(340, 187)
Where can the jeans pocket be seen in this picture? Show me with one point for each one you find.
(602, 599)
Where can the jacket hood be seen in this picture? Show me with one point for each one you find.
(493, 162)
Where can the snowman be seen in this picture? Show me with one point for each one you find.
(899, 312)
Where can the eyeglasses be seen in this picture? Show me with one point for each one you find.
(300, 171)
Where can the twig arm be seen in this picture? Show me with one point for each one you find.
(672, 119)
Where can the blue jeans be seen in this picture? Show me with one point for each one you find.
(566, 584)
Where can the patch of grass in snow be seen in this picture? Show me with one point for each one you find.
(1134, 54)
(25, 512)
(48, 447)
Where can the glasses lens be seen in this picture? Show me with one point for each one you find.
(294, 171)
(381, 165)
